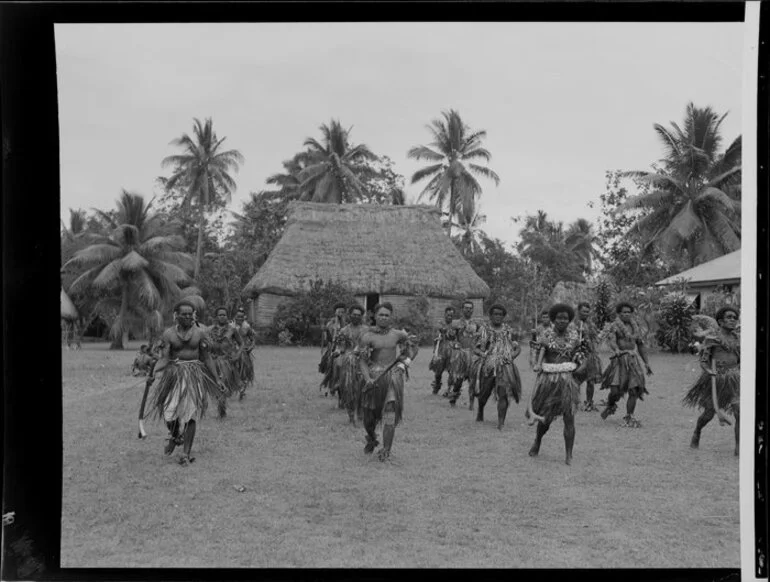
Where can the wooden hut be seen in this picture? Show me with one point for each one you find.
(703, 280)
(381, 253)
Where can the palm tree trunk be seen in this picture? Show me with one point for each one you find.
(119, 338)
(199, 250)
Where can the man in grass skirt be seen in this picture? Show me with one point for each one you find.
(328, 338)
(460, 361)
(624, 375)
(719, 387)
(496, 350)
(534, 345)
(386, 354)
(442, 347)
(225, 345)
(588, 335)
(244, 365)
(347, 373)
(185, 378)
(556, 392)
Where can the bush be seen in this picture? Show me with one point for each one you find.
(415, 320)
(674, 320)
(604, 311)
(296, 319)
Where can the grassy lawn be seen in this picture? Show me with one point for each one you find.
(458, 493)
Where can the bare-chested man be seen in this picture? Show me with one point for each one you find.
(225, 344)
(187, 380)
(386, 354)
(624, 375)
(442, 347)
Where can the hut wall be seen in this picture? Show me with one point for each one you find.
(264, 308)
(436, 306)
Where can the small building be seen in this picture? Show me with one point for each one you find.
(724, 272)
(381, 253)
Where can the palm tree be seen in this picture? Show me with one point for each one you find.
(205, 171)
(472, 238)
(695, 202)
(136, 267)
(289, 182)
(581, 240)
(77, 224)
(330, 174)
(452, 182)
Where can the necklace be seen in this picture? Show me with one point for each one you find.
(184, 337)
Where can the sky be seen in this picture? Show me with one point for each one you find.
(562, 103)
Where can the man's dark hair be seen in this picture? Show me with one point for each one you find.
(182, 303)
(387, 305)
(356, 307)
(583, 304)
(619, 307)
(724, 310)
(221, 309)
(467, 302)
(544, 312)
(561, 308)
(338, 305)
(498, 307)
(448, 309)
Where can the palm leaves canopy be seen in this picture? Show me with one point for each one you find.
(694, 204)
(452, 175)
(136, 267)
(204, 170)
(581, 240)
(472, 238)
(330, 174)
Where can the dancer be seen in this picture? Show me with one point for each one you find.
(556, 393)
(624, 375)
(588, 335)
(348, 367)
(225, 344)
(187, 379)
(461, 361)
(719, 387)
(386, 354)
(497, 349)
(328, 337)
(244, 364)
(442, 344)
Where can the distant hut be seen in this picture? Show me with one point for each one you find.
(68, 310)
(381, 253)
(723, 272)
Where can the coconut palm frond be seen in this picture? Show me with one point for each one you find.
(485, 172)
(424, 153)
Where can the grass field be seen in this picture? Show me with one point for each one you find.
(457, 494)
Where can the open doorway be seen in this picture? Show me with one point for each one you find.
(372, 299)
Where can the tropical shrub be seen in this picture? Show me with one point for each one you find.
(674, 320)
(415, 320)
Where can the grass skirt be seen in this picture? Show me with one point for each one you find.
(624, 375)
(506, 379)
(592, 371)
(349, 380)
(440, 359)
(460, 363)
(373, 401)
(227, 371)
(182, 392)
(728, 389)
(554, 394)
(244, 366)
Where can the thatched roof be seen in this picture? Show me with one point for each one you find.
(68, 309)
(400, 250)
(724, 270)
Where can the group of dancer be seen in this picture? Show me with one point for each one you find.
(366, 366)
(564, 355)
(194, 364)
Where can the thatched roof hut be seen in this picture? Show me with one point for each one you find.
(381, 253)
(68, 309)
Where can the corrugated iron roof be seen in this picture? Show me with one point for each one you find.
(724, 268)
